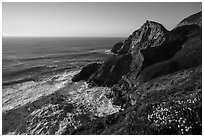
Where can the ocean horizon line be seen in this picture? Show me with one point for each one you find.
(64, 36)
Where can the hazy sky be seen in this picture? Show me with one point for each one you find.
(89, 19)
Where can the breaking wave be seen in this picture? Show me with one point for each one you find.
(53, 106)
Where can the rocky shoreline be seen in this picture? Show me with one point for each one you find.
(156, 76)
(150, 84)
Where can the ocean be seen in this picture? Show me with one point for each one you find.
(38, 69)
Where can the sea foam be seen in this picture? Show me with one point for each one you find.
(20, 94)
(54, 106)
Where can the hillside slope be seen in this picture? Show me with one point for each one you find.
(155, 75)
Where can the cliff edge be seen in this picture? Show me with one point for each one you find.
(156, 76)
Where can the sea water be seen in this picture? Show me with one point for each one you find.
(38, 69)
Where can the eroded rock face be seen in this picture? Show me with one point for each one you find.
(173, 42)
(161, 89)
(160, 60)
(186, 54)
(86, 72)
(150, 34)
(142, 38)
(146, 35)
(125, 47)
(148, 45)
(112, 70)
(117, 47)
(128, 56)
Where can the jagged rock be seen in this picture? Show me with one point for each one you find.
(116, 47)
(158, 44)
(129, 57)
(167, 105)
(145, 37)
(148, 45)
(162, 90)
(189, 55)
(178, 49)
(125, 47)
(112, 70)
(150, 34)
(193, 19)
(173, 43)
(86, 72)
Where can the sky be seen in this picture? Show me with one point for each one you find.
(89, 19)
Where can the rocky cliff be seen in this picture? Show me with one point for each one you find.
(155, 75)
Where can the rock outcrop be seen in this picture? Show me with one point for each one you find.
(156, 77)
(149, 45)
(178, 41)
(127, 56)
(181, 49)
(189, 56)
(112, 70)
(171, 104)
(117, 47)
(142, 38)
(86, 72)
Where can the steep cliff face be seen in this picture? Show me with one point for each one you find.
(112, 70)
(163, 58)
(148, 45)
(181, 49)
(129, 53)
(156, 76)
(145, 38)
(190, 55)
(162, 49)
(142, 38)
(117, 47)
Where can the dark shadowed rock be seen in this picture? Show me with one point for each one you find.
(145, 37)
(157, 78)
(86, 72)
(125, 47)
(116, 47)
(174, 41)
(130, 57)
(193, 19)
(190, 55)
(178, 49)
(148, 45)
(112, 70)
(167, 105)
